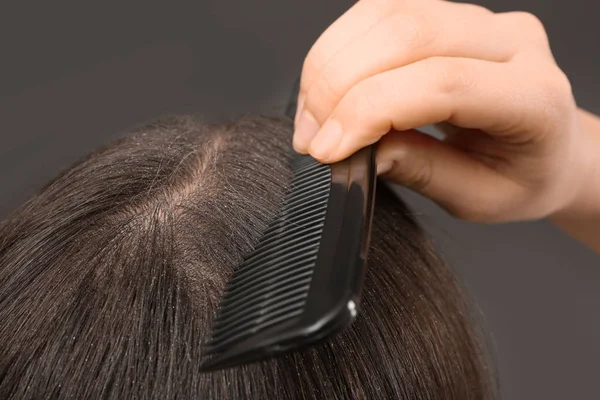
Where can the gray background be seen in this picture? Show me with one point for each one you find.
(73, 76)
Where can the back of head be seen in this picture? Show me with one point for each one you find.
(110, 278)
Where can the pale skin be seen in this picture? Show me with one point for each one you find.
(516, 148)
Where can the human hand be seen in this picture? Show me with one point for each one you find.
(513, 148)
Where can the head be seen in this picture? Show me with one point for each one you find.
(110, 278)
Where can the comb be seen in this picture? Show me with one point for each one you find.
(301, 284)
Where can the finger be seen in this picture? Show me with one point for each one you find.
(464, 92)
(447, 129)
(462, 185)
(440, 29)
(479, 144)
(465, 139)
(528, 31)
(351, 25)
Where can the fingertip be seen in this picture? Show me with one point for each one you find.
(327, 141)
(298, 148)
(306, 129)
(324, 158)
(384, 167)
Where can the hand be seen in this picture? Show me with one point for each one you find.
(513, 148)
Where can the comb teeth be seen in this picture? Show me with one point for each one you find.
(271, 285)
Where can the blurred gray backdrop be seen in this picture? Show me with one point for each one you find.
(73, 76)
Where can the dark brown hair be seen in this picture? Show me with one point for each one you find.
(110, 278)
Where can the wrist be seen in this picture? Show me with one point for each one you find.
(586, 200)
(580, 217)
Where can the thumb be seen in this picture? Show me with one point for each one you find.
(463, 185)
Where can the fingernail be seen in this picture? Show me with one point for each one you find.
(326, 140)
(299, 107)
(384, 167)
(306, 128)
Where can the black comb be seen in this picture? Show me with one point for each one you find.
(302, 282)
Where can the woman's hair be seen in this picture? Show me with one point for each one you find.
(111, 276)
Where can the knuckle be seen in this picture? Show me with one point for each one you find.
(417, 176)
(474, 9)
(415, 172)
(365, 102)
(323, 94)
(562, 82)
(331, 85)
(529, 20)
(412, 30)
(371, 92)
(555, 91)
(422, 174)
(530, 24)
(451, 75)
(316, 76)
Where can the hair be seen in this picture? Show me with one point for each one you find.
(110, 278)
